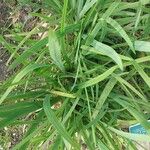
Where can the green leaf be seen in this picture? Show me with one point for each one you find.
(102, 145)
(111, 9)
(26, 54)
(140, 117)
(26, 95)
(31, 135)
(142, 73)
(18, 77)
(55, 49)
(29, 34)
(121, 80)
(98, 78)
(102, 49)
(57, 125)
(86, 7)
(121, 31)
(142, 46)
(100, 23)
(18, 106)
(108, 88)
(32, 128)
(10, 113)
(107, 51)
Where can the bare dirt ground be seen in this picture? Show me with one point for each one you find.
(4, 14)
(3, 68)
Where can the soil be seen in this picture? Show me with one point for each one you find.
(3, 68)
(4, 15)
(9, 137)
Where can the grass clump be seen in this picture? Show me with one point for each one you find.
(84, 78)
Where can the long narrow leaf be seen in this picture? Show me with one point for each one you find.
(121, 31)
(57, 125)
(19, 76)
(98, 78)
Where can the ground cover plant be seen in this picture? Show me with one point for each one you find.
(81, 74)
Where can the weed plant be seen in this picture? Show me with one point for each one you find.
(85, 78)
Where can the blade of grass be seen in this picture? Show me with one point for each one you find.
(26, 54)
(98, 78)
(30, 136)
(142, 73)
(121, 80)
(19, 76)
(108, 88)
(138, 115)
(21, 43)
(52, 119)
(106, 50)
(98, 26)
(121, 31)
(86, 7)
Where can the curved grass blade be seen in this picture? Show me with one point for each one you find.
(64, 15)
(102, 49)
(121, 80)
(138, 115)
(138, 15)
(108, 137)
(58, 3)
(32, 128)
(121, 31)
(33, 31)
(107, 51)
(142, 73)
(99, 24)
(111, 8)
(87, 140)
(18, 106)
(10, 113)
(26, 95)
(18, 77)
(63, 94)
(98, 78)
(86, 7)
(26, 54)
(102, 145)
(108, 88)
(57, 125)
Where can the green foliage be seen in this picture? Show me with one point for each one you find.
(84, 78)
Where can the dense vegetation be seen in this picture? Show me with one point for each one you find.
(82, 74)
